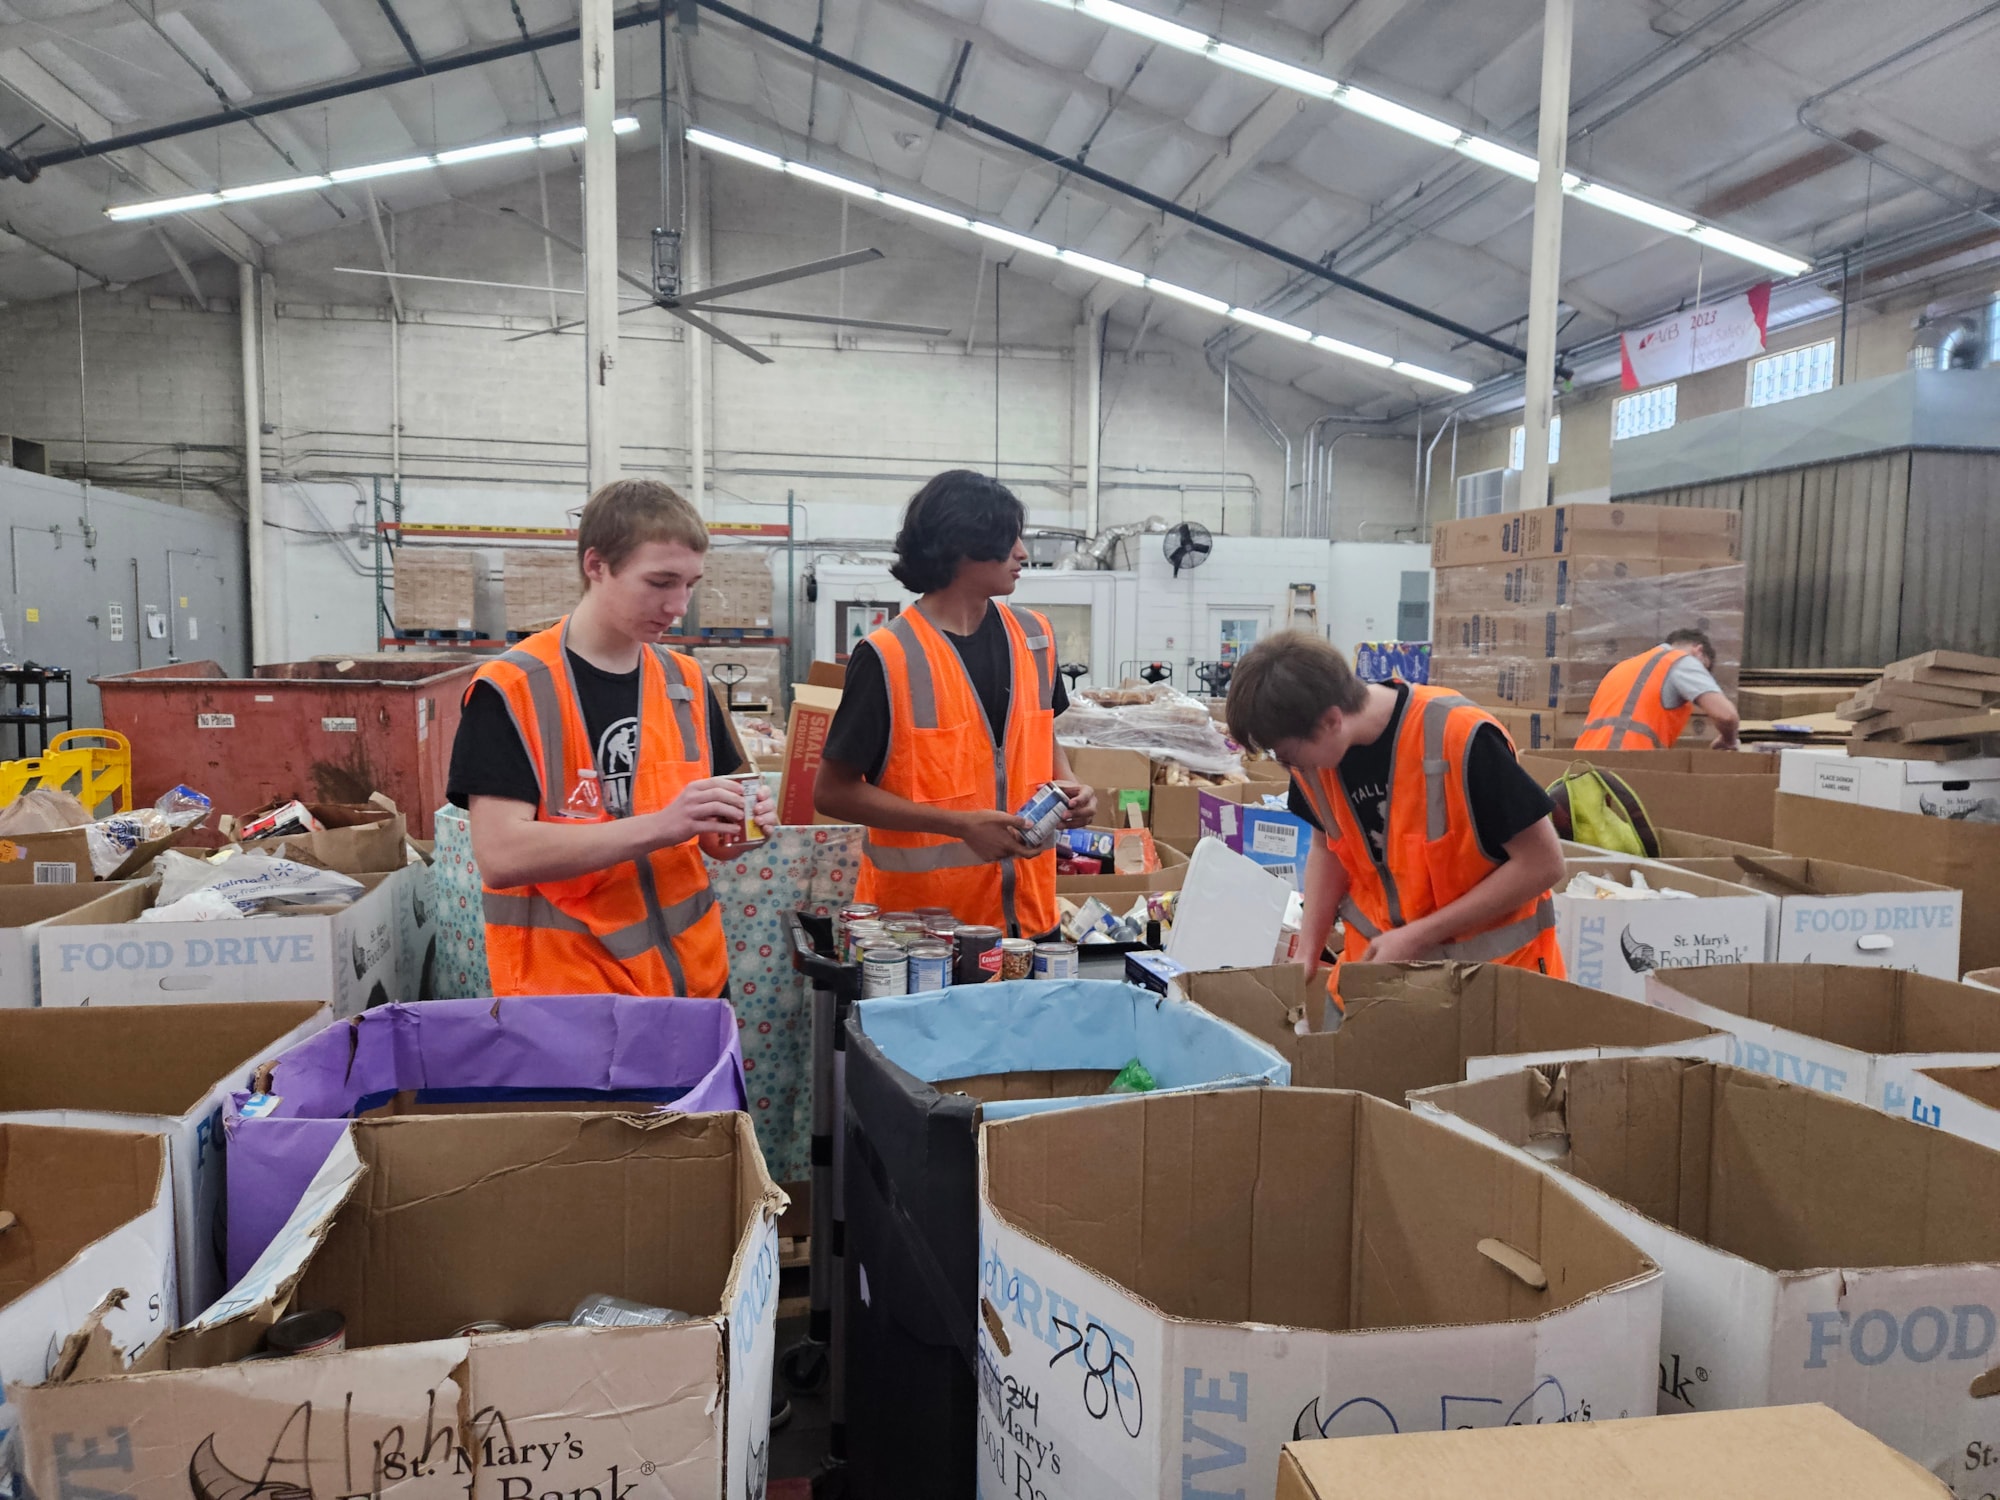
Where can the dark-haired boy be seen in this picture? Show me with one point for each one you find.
(1437, 844)
(946, 727)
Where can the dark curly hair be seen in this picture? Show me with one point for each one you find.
(957, 515)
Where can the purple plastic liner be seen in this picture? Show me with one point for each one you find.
(666, 1053)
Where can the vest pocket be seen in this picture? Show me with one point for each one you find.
(947, 767)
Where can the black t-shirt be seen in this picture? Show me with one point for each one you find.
(859, 735)
(489, 759)
(1506, 801)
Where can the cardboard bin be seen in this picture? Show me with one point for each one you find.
(922, 1072)
(1814, 1249)
(1935, 788)
(26, 909)
(1724, 793)
(1171, 1288)
(348, 956)
(1413, 1026)
(1820, 911)
(1777, 1453)
(418, 1226)
(1848, 1031)
(167, 1069)
(1613, 944)
(563, 1052)
(1960, 856)
(94, 1212)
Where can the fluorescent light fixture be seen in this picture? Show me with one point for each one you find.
(380, 169)
(272, 189)
(1424, 127)
(1254, 319)
(1191, 297)
(708, 140)
(481, 152)
(125, 212)
(339, 176)
(1107, 269)
(1610, 199)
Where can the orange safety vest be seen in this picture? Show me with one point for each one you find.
(942, 753)
(1627, 712)
(645, 927)
(1433, 852)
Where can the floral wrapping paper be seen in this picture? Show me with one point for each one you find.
(802, 868)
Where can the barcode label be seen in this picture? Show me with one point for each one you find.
(215, 721)
(54, 874)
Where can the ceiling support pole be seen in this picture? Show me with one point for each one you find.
(1545, 267)
(600, 240)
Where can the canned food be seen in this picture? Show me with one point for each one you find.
(1055, 960)
(752, 782)
(975, 946)
(861, 936)
(1017, 958)
(944, 925)
(930, 967)
(484, 1325)
(1045, 812)
(884, 971)
(930, 914)
(320, 1331)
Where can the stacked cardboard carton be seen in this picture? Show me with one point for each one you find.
(541, 587)
(735, 592)
(1535, 607)
(434, 588)
(1943, 705)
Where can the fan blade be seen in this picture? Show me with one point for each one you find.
(792, 317)
(569, 244)
(577, 323)
(772, 278)
(716, 333)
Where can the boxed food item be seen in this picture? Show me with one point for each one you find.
(1172, 1287)
(1548, 583)
(1776, 1453)
(735, 591)
(539, 588)
(417, 1230)
(434, 588)
(1813, 1249)
(165, 1069)
(813, 704)
(1836, 1028)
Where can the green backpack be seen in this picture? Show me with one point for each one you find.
(1600, 809)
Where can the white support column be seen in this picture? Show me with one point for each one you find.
(694, 272)
(1088, 416)
(1545, 269)
(253, 458)
(600, 241)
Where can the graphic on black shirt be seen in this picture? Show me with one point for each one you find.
(617, 755)
(1370, 802)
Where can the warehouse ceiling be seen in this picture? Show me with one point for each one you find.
(1801, 124)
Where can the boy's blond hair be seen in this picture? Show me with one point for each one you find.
(627, 513)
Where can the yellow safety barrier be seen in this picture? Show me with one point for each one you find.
(93, 773)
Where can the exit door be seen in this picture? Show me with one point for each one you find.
(198, 621)
(1234, 628)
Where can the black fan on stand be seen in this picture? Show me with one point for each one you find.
(1188, 545)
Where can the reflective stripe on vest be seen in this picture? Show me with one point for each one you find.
(536, 912)
(1484, 947)
(1625, 720)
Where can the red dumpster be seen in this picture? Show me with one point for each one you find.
(324, 731)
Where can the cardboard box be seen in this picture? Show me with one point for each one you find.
(1412, 1026)
(1595, 583)
(1962, 1098)
(1271, 837)
(539, 588)
(1539, 728)
(420, 1225)
(813, 705)
(1589, 634)
(345, 956)
(1937, 789)
(1986, 979)
(1553, 531)
(763, 680)
(1958, 855)
(922, 1072)
(1830, 1027)
(1868, 1287)
(1522, 682)
(1778, 1453)
(1614, 944)
(165, 1069)
(1173, 1287)
(63, 858)
(565, 1052)
(26, 909)
(94, 1213)
(1172, 871)
(434, 588)
(1847, 915)
(735, 592)
(1700, 531)
(1718, 792)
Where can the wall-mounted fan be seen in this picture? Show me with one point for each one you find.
(1187, 545)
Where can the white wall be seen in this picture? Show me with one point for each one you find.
(492, 429)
